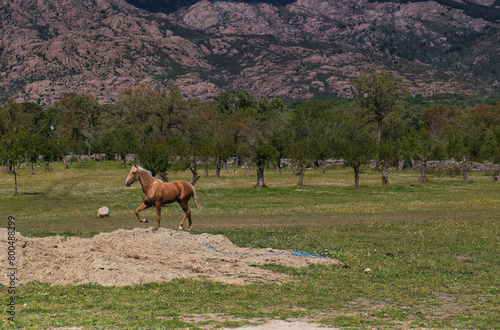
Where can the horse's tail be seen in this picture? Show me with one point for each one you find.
(196, 201)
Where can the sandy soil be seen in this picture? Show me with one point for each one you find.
(278, 324)
(143, 255)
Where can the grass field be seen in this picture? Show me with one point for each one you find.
(432, 249)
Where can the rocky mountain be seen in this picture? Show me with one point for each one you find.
(274, 48)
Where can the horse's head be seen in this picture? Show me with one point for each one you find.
(133, 176)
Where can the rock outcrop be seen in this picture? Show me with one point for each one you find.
(299, 49)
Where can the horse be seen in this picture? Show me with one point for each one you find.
(158, 193)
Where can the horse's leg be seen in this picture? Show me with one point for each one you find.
(158, 213)
(187, 211)
(139, 209)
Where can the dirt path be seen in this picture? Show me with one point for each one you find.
(142, 255)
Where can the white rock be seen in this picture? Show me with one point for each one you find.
(103, 212)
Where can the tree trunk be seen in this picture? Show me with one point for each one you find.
(247, 169)
(163, 176)
(100, 159)
(225, 167)
(497, 178)
(278, 167)
(78, 158)
(423, 169)
(124, 160)
(15, 181)
(195, 174)
(31, 167)
(8, 167)
(464, 168)
(65, 162)
(260, 176)
(217, 165)
(206, 169)
(385, 172)
(356, 175)
(46, 166)
(301, 175)
(379, 133)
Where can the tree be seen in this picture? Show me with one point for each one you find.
(355, 141)
(120, 141)
(155, 155)
(199, 135)
(138, 107)
(419, 144)
(170, 110)
(47, 136)
(309, 127)
(236, 132)
(38, 124)
(264, 149)
(76, 124)
(379, 92)
(262, 152)
(274, 116)
(14, 145)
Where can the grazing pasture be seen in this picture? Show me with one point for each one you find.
(410, 255)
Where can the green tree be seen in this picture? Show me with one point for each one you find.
(419, 144)
(33, 119)
(76, 124)
(263, 151)
(155, 156)
(171, 111)
(355, 141)
(379, 93)
(120, 141)
(237, 130)
(14, 144)
(199, 135)
(138, 107)
(265, 147)
(309, 127)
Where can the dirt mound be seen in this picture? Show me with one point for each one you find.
(142, 255)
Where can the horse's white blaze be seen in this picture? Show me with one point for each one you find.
(130, 177)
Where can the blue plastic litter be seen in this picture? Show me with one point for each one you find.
(306, 254)
(294, 252)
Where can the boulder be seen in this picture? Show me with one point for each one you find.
(103, 212)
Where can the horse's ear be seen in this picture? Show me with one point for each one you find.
(135, 165)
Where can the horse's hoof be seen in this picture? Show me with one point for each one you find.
(145, 221)
(180, 227)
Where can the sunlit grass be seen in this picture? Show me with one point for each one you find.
(67, 200)
(430, 274)
(432, 249)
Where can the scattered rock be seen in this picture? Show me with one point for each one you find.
(103, 212)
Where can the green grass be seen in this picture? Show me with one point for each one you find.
(432, 250)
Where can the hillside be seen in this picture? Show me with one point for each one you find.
(275, 48)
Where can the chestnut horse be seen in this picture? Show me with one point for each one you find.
(158, 193)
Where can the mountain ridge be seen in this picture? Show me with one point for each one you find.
(301, 49)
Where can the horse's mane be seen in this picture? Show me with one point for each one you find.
(143, 169)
